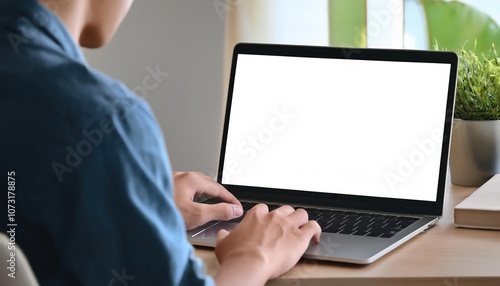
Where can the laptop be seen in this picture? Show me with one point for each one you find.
(359, 138)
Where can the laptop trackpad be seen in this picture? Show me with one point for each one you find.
(214, 229)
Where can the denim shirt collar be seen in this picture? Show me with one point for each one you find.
(35, 20)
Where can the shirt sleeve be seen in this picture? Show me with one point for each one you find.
(122, 225)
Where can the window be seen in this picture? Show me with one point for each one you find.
(370, 23)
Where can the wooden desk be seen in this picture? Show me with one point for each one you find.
(444, 256)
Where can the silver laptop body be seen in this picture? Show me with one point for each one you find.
(352, 130)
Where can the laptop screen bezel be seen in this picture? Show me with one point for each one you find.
(434, 208)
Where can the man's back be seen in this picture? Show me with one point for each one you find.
(93, 184)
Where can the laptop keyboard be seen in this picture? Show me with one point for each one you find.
(345, 222)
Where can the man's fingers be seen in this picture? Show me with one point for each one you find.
(299, 217)
(201, 184)
(286, 210)
(222, 234)
(312, 229)
(221, 211)
(260, 208)
(213, 189)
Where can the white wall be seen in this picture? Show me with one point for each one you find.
(186, 39)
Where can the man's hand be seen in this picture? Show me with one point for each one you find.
(190, 185)
(264, 245)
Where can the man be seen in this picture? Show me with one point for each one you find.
(94, 192)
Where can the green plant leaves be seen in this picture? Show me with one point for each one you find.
(455, 25)
(478, 86)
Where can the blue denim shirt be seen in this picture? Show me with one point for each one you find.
(93, 184)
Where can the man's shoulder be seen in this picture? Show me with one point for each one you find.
(72, 92)
(86, 95)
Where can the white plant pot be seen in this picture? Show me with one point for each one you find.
(475, 151)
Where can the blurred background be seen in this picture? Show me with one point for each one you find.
(192, 41)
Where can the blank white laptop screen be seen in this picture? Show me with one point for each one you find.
(354, 127)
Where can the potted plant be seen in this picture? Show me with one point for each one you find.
(475, 142)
